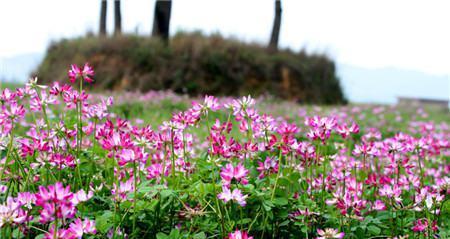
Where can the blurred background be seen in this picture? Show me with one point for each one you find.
(322, 51)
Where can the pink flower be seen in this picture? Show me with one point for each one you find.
(229, 172)
(26, 199)
(378, 205)
(7, 95)
(125, 156)
(320, 127)
(394, 146)
(37, 101)
(241, 106)
(99, 111)
(345, 131)
(11, 212)
(59, 234)
(55, 200)
(78, 227)
(226, 195)
(286, 129)
(85, 74)
(267, 167)
(391, 192)
(421, 225)
(301, 212)
(239, 235)
(373, 133)
(71, 98)
(155, 171)
(3, 189)
(57, 89)
(210, 103)
(81, 196)
(329, 233)
(364, 149)
(62, 161)
(73, 73)
(121, 192)
(15, 111)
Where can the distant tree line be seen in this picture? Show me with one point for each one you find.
(161, 21)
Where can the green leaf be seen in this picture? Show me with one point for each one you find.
(374, 230)
(383, 215)
(161, 235)
(103, 222)
(166, 193)
(304, 185)
(146, 189)
(268, 205)
(174, 234)
(285, 223)
(304, 229)
(294, 177)
(284, 182)
(150, 205)
(360, 232)
(280, 201)
(40, 236)
(244, 221)
(200, 235)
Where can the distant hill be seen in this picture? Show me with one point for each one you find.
(384, 85)
(197, 64)
(18, 68)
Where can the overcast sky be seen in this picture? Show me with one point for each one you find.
(405, 34)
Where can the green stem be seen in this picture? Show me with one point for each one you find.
(8, 153)
(222, 223)
(114, 220)
(94, 141)
(274, 188)
(420, 168)
(80, 131)
(136, 173)
(184, 151)
(323, 185)
(254, 220)
(280, 168)
(55, 235)
(173, 154)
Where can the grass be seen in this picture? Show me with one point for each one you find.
(155, 113)
(9, 85)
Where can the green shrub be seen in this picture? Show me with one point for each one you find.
(196, 64)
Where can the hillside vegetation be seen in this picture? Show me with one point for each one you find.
(196, 64)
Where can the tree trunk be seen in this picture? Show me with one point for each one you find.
(161, 19)
(117, 18)
(273, 45)
(103, 8)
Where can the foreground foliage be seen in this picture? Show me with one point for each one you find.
(220, 169)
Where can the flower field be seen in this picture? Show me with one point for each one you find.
(160, 165)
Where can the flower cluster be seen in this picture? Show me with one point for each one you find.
(269, 169)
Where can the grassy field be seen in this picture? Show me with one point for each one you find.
(166, 166)
(162, 109)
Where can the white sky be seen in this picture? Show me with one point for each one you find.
(379, 33)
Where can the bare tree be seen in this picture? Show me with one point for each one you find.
(273, 45)
(161, 19)
(103, 8)
(117, 18)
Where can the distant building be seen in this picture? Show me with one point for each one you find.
(423, 102)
